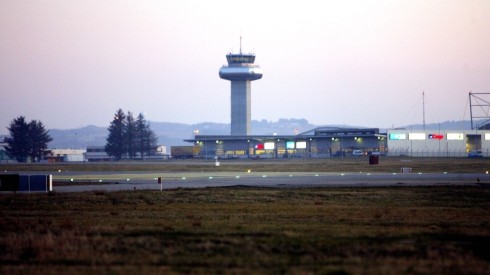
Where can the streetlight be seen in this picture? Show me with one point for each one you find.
(309, 147)
(248, 148)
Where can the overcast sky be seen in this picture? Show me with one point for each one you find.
(364, 63)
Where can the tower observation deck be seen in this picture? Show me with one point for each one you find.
(241, 71)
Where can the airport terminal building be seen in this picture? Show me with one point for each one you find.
(326, 142)
(317, 143)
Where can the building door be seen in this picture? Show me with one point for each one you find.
(473, 142)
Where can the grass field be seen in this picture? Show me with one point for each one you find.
(348, 164)
(248, 230)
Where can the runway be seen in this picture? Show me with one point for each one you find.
(77, 182)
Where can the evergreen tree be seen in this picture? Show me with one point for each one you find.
(151, 141)
(38, 139)
(18, 142)
(146, 139)
(130, 136)
(27, 140)
(140, 128)
(115, 145)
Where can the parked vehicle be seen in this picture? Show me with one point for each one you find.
(357, 153)
(475, 154)
(184, 152)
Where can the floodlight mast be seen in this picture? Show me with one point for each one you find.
(241, 71)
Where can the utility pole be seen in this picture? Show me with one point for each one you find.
(423, 108)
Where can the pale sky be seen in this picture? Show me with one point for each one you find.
(364, 63)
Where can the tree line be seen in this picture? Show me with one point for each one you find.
(130, 138)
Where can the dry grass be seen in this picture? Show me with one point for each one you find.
(386, 164)
(248, 230)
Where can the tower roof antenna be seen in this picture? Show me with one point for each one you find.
(240, 42)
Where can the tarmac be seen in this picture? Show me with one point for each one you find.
(110, 181)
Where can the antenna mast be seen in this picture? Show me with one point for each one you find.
(240, 42)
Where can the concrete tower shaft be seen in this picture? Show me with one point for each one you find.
(240, 71)
(241, 111)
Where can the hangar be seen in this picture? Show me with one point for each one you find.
(317, 143)
(430, 143)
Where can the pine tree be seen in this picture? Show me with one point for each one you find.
(115, 145)
(38, 139)
(146, 139)
(130, 134)
(27, 140)
(140, 128)
(150, 140)
(129, 137)
(18, 142)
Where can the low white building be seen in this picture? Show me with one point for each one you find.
(97, 153)
(434, 143)
(66, 155)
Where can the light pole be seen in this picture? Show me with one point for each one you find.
(248, 148)
(196, 132)
(342, 146)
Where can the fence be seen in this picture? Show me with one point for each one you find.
(432, 153)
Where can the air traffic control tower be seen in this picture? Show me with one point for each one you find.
(241, 71)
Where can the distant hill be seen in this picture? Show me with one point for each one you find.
(78, 138)
(171, 134)
(168, 134)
